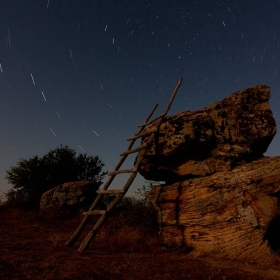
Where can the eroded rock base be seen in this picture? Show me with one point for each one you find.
(226, 213)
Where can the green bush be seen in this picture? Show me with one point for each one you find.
(33, 176)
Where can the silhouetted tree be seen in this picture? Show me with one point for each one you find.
(33, 176)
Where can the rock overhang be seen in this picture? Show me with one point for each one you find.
(218, 137)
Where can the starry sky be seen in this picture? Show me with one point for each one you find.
(87, 73)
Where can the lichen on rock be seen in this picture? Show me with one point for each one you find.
(216, 138)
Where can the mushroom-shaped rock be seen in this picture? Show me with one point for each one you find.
(216, 138)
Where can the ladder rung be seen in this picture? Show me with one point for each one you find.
(149, 122)
(95, 212)
(136, 136)
(110, 191)
(134, 150)
(121, 171)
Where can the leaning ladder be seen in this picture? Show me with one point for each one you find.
(120, 193)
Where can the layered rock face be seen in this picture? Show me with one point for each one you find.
(70, 196)
(221, 193)
(226, 213)
(216, 138)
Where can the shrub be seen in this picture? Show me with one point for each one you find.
(33, 176)
(132, 226)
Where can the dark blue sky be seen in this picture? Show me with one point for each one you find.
(86, 73)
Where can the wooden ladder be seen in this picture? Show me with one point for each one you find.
(120, 193)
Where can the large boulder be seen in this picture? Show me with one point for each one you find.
(216, 138)
(227, 214)
(221, 195)
(70, 196)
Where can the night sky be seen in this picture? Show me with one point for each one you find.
(86, 73)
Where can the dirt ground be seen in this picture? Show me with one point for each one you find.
(32, 246)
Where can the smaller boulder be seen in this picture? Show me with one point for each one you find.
(69, 196)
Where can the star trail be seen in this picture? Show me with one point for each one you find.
(86, 73)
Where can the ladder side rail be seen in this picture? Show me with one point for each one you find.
(86, 218)
(141, 154)
(86, 242)
(111, 178)
(160, 121)
(72, 240)
(105, 187)
(173, 96)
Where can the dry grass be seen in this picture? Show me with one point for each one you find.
(32, 247)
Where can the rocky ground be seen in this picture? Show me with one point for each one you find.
(32, 247)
